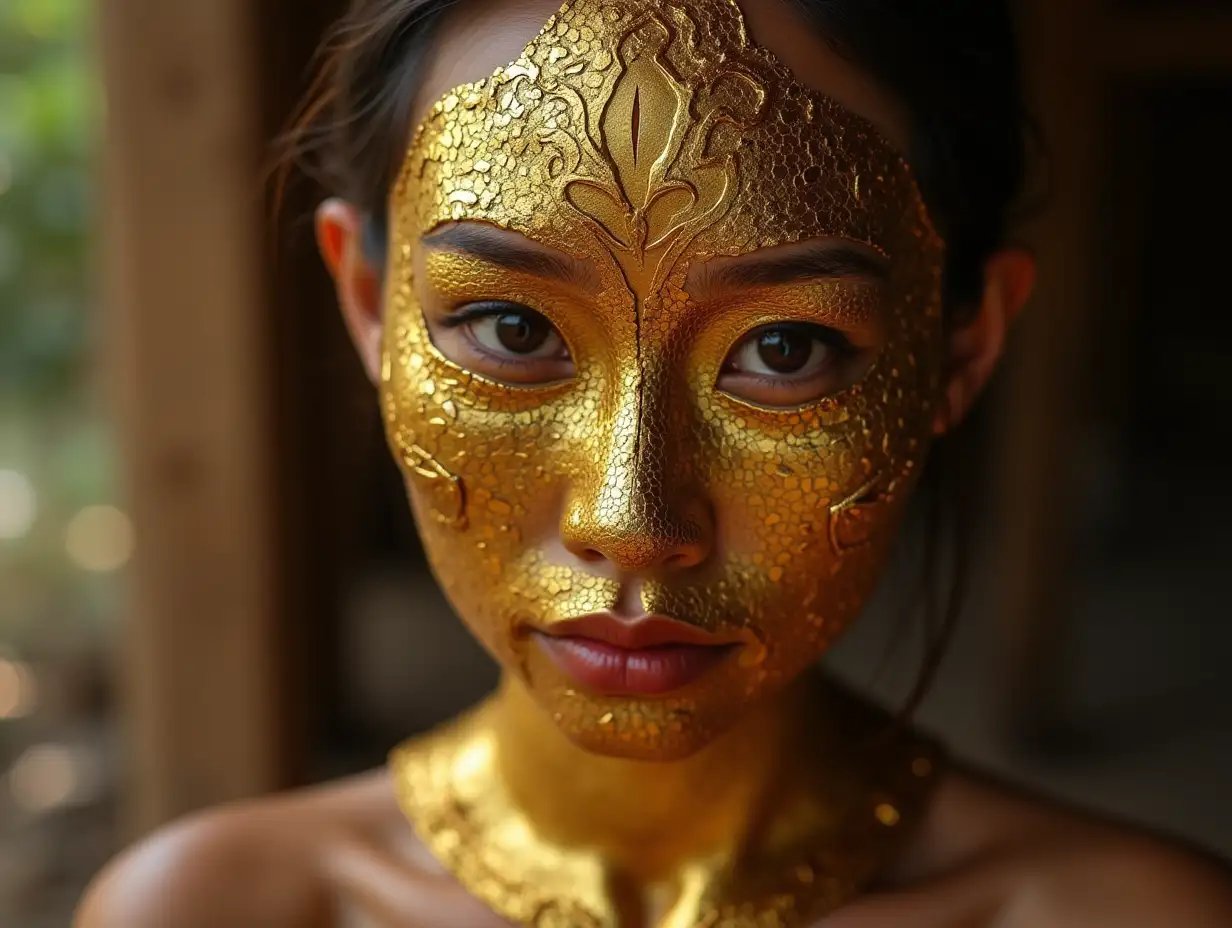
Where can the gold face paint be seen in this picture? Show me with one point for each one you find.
(645, 139)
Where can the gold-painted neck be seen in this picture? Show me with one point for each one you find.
(644, 818)
(817, 793)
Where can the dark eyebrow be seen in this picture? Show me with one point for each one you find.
(794, 264)
(512, 251)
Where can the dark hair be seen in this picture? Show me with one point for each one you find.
(953, 64)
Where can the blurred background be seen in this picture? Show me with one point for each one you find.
(210, 587)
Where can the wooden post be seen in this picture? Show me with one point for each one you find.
(328, 415)
(1076, 50)
(187, 321)
(1047, 392)
(1164, 43)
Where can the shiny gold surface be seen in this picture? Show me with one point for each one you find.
(846, 789)
(645, 140)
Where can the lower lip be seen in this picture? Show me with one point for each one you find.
(611, 671)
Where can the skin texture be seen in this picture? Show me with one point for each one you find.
(982, 857)
(341, 857)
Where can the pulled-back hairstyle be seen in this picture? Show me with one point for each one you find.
(953, 65)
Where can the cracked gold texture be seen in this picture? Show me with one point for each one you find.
(833, 831)
(643, 138)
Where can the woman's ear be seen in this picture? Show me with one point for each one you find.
(975, 349)
(340, 238)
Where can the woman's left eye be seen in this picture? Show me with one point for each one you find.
(786, 364)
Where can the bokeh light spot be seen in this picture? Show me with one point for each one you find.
(44, 778)
(18, 505)
(100, 539)
(18, 690)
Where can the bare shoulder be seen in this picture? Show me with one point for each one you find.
(1025, 862)
(1123, 881)
(256, 864)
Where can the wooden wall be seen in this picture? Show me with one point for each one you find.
(241, 404)
(190, 366)
(1076, 50)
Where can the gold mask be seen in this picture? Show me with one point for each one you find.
(645, 138)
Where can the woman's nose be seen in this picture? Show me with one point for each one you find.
(638, 536)
(637, 507)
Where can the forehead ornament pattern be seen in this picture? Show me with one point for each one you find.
(669, 173)
(646, 117)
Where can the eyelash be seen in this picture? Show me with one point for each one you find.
(486, 309)
(833, 339)
(470, 312)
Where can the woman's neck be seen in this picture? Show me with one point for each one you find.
(649, 819)
(780, 821)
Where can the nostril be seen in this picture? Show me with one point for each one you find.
(651, 541)
(688, 556)
(591, 555)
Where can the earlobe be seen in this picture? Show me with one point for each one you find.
(976, 348)
(331, 228)
(339, 227)
(1015, 270)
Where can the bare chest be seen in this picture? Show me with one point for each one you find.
(418, 900)
(398, 884)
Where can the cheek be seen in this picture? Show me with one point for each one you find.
(487, 467)
(470, 476)
(812, 482)
(809, 503)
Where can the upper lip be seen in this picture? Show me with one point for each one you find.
(634, 634)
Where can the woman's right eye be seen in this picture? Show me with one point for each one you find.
(507, 342)
(518, 332)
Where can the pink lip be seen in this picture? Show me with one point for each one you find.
(650, 656)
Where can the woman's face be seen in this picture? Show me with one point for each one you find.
(663, 352)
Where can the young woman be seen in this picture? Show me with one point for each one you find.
(669, 308)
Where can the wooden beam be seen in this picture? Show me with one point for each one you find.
(1168, 43)
(1046, 396)
(187, 360)
(328, 415)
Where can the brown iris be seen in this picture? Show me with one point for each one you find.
(785, 350)
(522, 331)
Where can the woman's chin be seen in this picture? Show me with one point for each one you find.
(645, 741)
(656, 729)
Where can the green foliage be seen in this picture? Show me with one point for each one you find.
(50, 432)
(47, 130)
